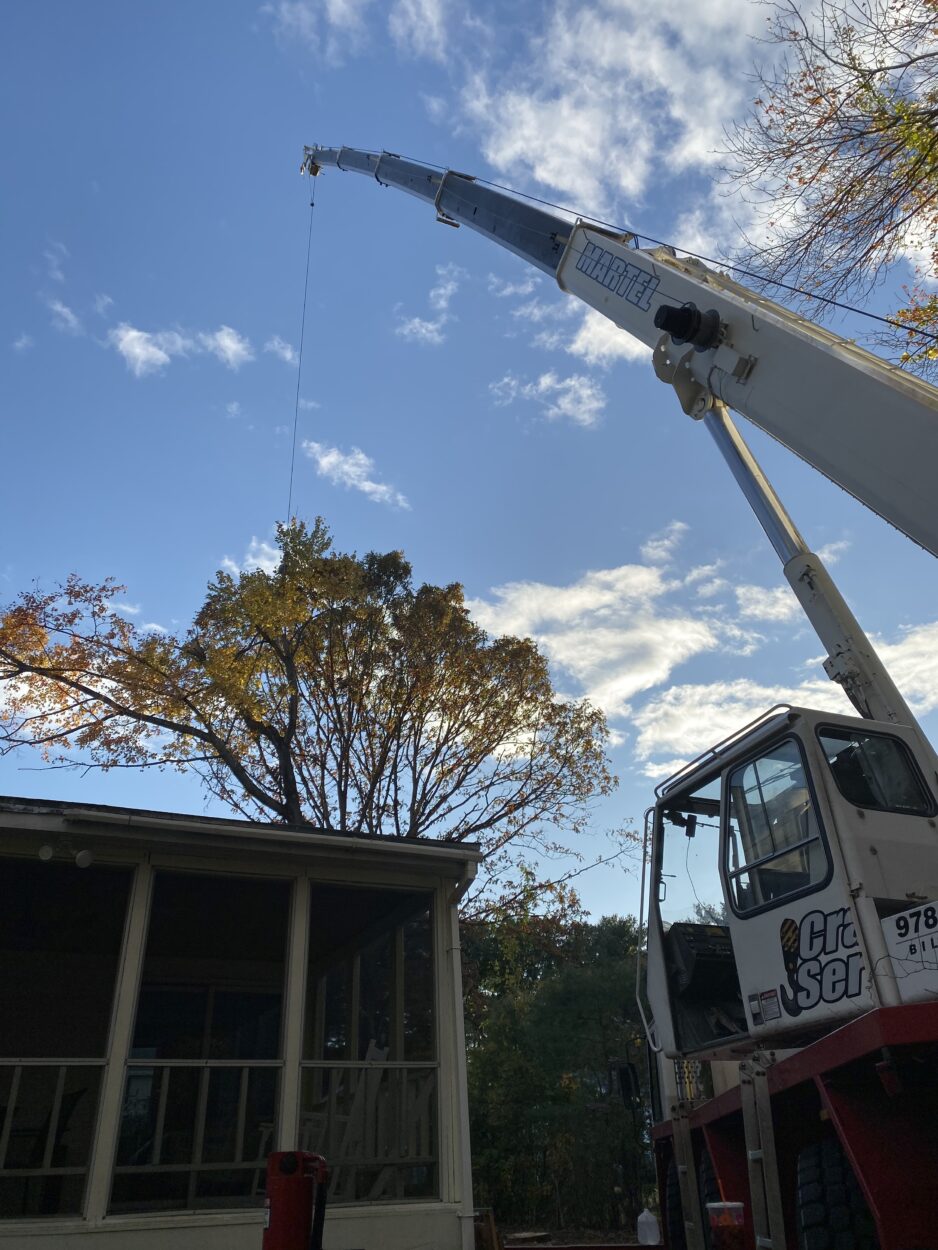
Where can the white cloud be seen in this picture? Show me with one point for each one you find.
(128, 609)
(23, 343)
(611, 631)
(504, 290)
(688, 719)
(329, 27)
(600, 341)
(309, 405)
(54, 255)
(430, 332)
(229, 346)
(576, 398)
(63, 318)
(153, 627)
(537, 311)
(830, 553)
(259, 555)
(418, 28)
(595, 102)
(102, 303)
(233, 409)
(761, 603)
(449, 278)
(354, 470)
(148, 353)
(660, 548)
(418, 330)
(913, 665)
(280, 348)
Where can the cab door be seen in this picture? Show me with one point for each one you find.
(790, 915)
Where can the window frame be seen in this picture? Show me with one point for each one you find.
(727, 875)
(910, 758)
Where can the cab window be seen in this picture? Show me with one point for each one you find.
(875, 770)
(774, 847)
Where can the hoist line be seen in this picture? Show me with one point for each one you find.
(299, 363)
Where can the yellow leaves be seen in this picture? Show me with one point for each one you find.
(22, 633)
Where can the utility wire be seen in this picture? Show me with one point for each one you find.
(709, 260)
(299, 363)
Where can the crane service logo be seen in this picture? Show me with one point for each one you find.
(617, 275)
(822, 962)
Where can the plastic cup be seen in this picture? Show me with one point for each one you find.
(727, 1230)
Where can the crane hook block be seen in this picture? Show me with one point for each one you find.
(687, 324)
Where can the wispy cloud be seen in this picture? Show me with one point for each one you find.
(231, 348)
(102, 303)
(505, 290)
(353, 470)
(576, 398)
(430, 332)
(830, 553)
(233, 409)
(419, 330)
(599, 341)
(594, 98)
(147, 352)
(612, 631)
(281, 349)
(679, 723)
(23, 343)
(260, 554)
(333, 28)
(309, 405)
(55, 255)
(128, 609)
(660, 547)
(620, 636)
(761, 603)
(63, 318)
(418, 27)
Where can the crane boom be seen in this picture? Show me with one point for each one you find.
(860, 421)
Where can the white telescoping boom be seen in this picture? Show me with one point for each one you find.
(860, 421)
(812, 837)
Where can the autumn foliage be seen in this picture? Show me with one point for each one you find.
(329, 692)
(840, 157)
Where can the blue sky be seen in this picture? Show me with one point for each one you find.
(453, 403)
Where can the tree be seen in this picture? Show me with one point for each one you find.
(329, 692)
(548, 1023)
(841, 155)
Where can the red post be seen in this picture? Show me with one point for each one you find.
(296, 1190)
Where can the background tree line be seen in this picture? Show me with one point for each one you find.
(551, 1025)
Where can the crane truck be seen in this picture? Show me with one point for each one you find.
(792, 1017)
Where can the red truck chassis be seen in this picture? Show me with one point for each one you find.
(874, 1085)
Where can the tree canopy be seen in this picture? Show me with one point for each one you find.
(329, 692)
(551, 1019)
(840, 153)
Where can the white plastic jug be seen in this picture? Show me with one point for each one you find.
(648, 1234)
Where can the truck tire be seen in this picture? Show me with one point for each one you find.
(831, 1210)
(673, 1211)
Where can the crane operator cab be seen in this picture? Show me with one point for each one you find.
(794, 883)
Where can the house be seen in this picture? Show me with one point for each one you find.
(182, 995)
